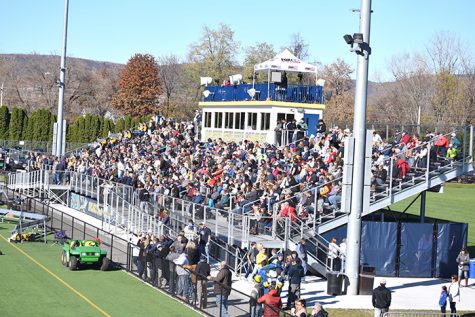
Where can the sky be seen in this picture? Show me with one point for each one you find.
(114, 30)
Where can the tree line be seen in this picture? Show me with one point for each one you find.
(436, 86)
(17, 125)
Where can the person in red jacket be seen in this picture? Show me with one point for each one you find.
(441, 145)
(288, 211)
(272, 302)
(405, 138)
(402, 168)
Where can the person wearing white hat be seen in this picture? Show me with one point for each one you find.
(381, 299)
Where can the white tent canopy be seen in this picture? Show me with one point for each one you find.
(285, 61)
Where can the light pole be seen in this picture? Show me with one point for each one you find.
(363, 51)
(1, 96)
(62, 74)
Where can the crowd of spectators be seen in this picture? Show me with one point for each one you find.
(274, 269)
(295, 181)
(167, 158)
(152, 255)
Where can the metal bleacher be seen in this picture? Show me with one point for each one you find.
(232, 226)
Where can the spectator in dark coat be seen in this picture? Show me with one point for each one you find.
(222, 288)
(381, 299)
(202, 270)
(294, 275)
(321, 126)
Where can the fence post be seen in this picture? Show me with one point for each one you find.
(112, 247)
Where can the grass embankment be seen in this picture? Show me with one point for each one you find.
(27, 289)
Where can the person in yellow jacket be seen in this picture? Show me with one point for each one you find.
(261, 257)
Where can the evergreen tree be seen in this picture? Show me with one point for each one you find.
(4, 122)
(128, 122)
(81, 130)
(24, 120)
(107, 127)
(16, 126)
(120, 125)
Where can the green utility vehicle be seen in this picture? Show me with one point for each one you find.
(76, 252)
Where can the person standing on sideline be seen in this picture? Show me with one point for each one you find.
(294, 274)
(302, 253)
(454, 294)
(332, 254)
(463, 260)
(272, 302)
(342, 254)
(202, 270)
(381, 299)
(204, 239)
(222, 288)
(443, 300)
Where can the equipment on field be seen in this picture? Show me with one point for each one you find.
(79, 252)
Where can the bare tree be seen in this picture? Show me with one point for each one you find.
(413, 89)
(467, 104)
(299, 47)
(445, 55)
(256, 54)
(170, 73)
(214, 55)
(340, 107)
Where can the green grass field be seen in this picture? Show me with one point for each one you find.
(26, 289)
(456, 203)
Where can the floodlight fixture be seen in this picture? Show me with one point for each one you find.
(358, 38)
(348, 39)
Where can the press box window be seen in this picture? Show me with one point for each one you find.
(218, 120)
(265, 121)
(252, 120)
(239, 120)
(228, 120)
(207, 119)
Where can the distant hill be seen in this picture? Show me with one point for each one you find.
(24, 62)
(30, 81)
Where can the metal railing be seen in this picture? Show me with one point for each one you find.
(38, 146)
(423, 168)
(163, 271)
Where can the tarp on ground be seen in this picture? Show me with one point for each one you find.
(378, 246)
(417, 242)
(451, 237)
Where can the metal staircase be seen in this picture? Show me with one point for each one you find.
(431, 171)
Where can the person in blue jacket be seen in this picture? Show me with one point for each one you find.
(443, 300)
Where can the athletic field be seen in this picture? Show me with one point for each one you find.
(456, 203)
(34, 283)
